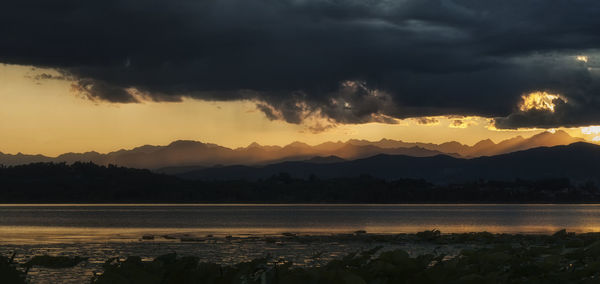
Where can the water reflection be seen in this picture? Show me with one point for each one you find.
(118, 223)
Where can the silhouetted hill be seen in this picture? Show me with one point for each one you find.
(178, 170)
(197, 154)
(485, 147)
(19, 159)
(577, 161)
(182, 154)
(87, 182)
(325, 160)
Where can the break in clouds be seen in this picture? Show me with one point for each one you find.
(352, 61)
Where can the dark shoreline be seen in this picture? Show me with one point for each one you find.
(90, 183)
(151, 203)
(481, 258)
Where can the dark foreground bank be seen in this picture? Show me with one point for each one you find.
(485, 258)
(90, 183)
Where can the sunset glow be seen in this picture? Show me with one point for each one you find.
(539, 101)
(61, 121)
(299, 141)
(582, 58)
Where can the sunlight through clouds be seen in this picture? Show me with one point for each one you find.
(582, 58)
(590, 130)
(540, 101)
(593, 133)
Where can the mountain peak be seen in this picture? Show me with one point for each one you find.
(485, 142)
(552, 133)
(559, 137)
(186, 143)
(254, 145)
(298, 144)
(451, 143)
(561, 132)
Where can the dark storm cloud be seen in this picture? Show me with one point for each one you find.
(565, 114)
(96, 89)
(268, 111)
(411, 58)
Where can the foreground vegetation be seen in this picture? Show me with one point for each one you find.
(8, 271)
(560, 258)
(90, 183)
(486, 258)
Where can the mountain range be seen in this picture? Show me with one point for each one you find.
(577, 161)
(184, 155)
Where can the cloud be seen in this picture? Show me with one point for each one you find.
(319, 127)
(46, 76)
(96, 89)
(551, 111)
(269, 111)
(350, 61)
(427, 120)
(590, 130)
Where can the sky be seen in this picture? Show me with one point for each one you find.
(104, 75)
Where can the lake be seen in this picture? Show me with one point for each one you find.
(230, 234)
(83, 223)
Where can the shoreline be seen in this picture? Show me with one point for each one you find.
(306, 252)
(253, 203)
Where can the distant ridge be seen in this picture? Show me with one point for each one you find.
(183, 154)
(484, 147)
(326, 160)
(577, 161)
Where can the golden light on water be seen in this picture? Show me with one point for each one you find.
(540, 101)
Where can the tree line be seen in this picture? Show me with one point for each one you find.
(91, 183)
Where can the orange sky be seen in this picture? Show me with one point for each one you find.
(47, 117)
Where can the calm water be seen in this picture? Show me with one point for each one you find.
(82, 223)
(101, 232)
